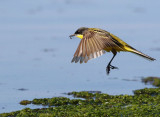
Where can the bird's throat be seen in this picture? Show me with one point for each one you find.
(79, 36)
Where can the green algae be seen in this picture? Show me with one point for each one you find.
(155, 81)
(25, 102)
(144, 102)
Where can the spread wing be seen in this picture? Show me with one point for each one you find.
(93, 45)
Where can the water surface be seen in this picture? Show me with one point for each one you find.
(35, 50)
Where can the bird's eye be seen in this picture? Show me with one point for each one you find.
(77, 32)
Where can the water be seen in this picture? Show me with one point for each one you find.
(35, 50)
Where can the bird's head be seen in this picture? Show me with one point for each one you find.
(79, 32)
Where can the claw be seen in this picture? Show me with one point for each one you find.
(113, 67)
(110, 67)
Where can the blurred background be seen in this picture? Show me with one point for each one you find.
(36, 52)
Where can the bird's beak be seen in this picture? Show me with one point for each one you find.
(77, 35)
(72, 36)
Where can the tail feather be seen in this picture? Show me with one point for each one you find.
(133, 50)
(142, 55)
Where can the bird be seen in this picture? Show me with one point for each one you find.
(96, 42)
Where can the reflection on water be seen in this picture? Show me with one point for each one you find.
(36, 51)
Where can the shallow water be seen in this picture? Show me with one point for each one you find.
(36, 51)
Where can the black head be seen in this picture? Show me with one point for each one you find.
(80, 30)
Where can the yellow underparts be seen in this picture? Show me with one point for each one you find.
(79, 36)
(128, 49)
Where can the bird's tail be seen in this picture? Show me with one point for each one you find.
(131, 49)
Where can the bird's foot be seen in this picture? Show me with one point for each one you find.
(109, 67)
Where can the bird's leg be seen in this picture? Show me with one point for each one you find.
(109, 66)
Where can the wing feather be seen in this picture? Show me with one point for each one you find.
(84, 52)
(92, 49)
(93, 45)
(97, 47)
(77, 53)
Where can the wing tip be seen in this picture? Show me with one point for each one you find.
(80, 59)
